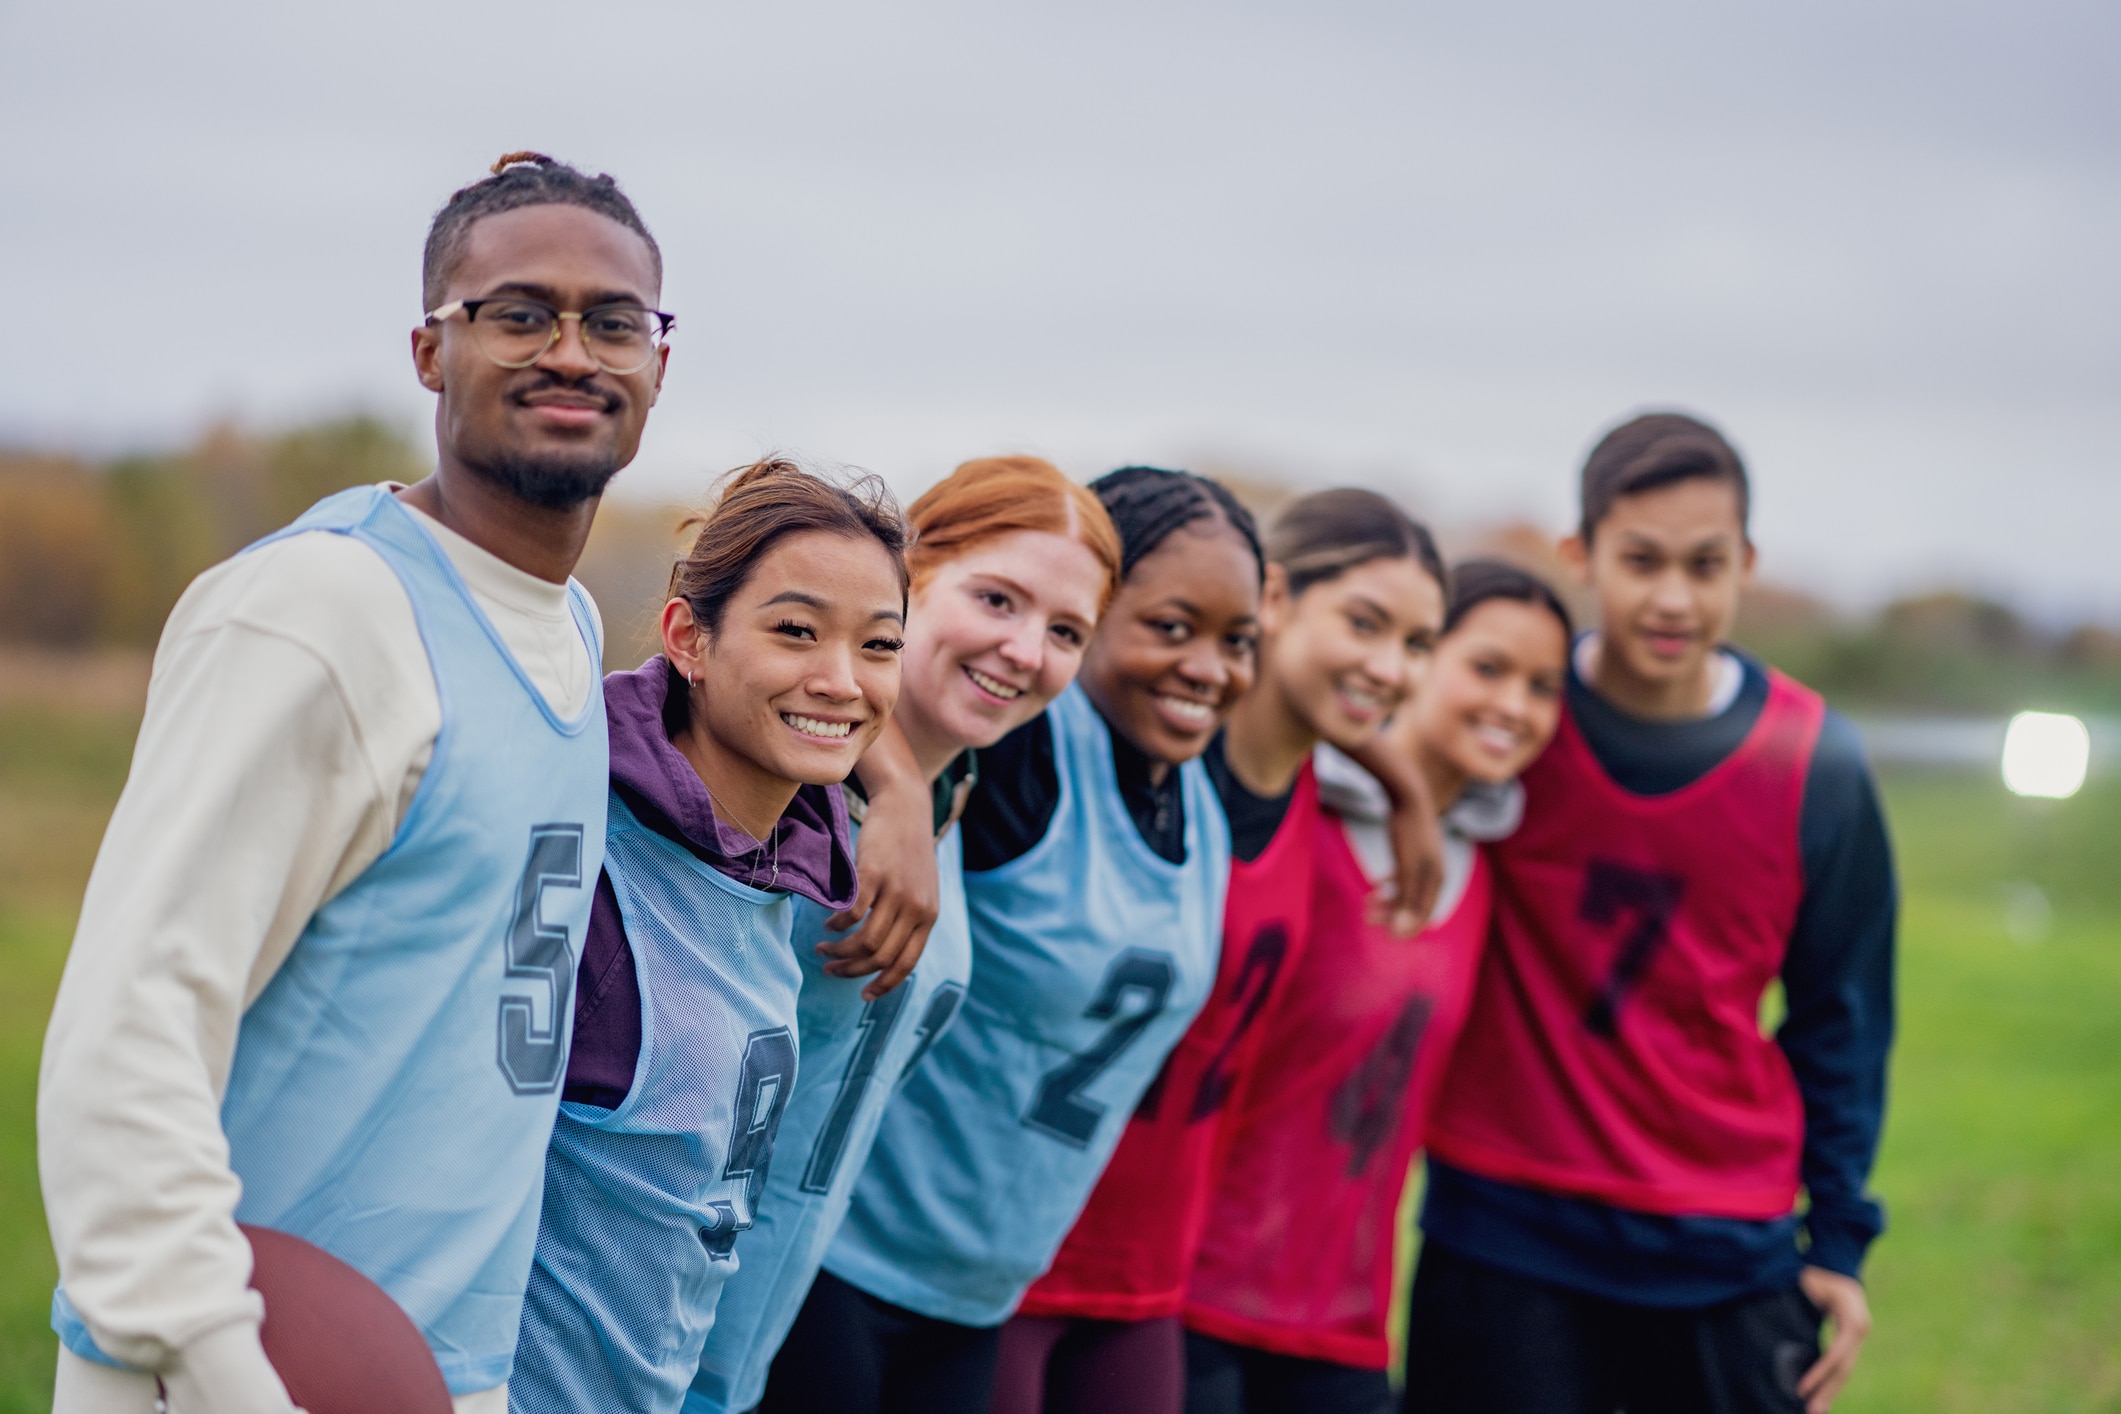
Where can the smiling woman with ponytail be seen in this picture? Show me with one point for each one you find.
(1289, 1303)
(780, 666)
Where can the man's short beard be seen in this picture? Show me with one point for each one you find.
(556, 483)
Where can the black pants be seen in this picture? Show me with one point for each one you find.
(1225, 1378)
(1075, 1365)
(849, 1353)
(1484, 1341)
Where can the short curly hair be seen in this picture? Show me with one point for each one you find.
(521, 179)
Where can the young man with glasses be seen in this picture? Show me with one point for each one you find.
(324, 969)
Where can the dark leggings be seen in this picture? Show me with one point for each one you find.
(849, 1353)
(1480, 1339)
(1067, 1365)
(1226, 1378)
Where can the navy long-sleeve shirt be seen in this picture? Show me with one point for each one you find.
(1837, 977)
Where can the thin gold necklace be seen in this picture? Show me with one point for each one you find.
(758, 846)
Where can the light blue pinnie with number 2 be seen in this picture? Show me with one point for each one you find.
(1091, 955)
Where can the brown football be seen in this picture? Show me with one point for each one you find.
(340, 1343)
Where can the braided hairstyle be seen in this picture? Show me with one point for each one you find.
(1147, 503)
(521, 179)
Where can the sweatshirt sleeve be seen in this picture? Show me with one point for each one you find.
(280, 736)
(1838, 979)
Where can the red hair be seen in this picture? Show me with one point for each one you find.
(991, 497)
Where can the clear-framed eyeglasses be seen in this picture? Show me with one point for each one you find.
(515, 332)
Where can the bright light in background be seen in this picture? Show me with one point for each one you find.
(2046, 753)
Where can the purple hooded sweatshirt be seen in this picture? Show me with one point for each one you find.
(815, 858)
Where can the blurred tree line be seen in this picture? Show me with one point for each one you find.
(1939, 652)
(95, 557)
(1943, 650)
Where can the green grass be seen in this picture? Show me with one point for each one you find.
(1997, 1289)
(59, 777)
(30, 950)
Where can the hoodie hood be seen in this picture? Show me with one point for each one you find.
(1482, 811)
(811, 850)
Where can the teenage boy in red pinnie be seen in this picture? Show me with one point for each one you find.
(1612, 1218)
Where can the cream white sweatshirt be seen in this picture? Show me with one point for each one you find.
(290, 716)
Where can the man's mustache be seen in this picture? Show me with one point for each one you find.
(540, 380)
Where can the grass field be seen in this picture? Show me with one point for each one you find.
(1997, 1289)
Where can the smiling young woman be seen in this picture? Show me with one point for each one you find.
(781, 645)
(1012, 565)
(1289, 1301)
(1354, 599)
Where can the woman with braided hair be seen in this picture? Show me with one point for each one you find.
(1353, 603)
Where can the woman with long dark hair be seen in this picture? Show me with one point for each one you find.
(1290, 1299)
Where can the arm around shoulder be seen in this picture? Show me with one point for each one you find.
(1417, 838)
(900, 895)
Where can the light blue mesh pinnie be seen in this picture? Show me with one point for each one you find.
(854, 1054)
(647, 1205)
(395, 1083)
(1090, 956)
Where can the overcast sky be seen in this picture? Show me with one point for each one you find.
(1436, 249)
